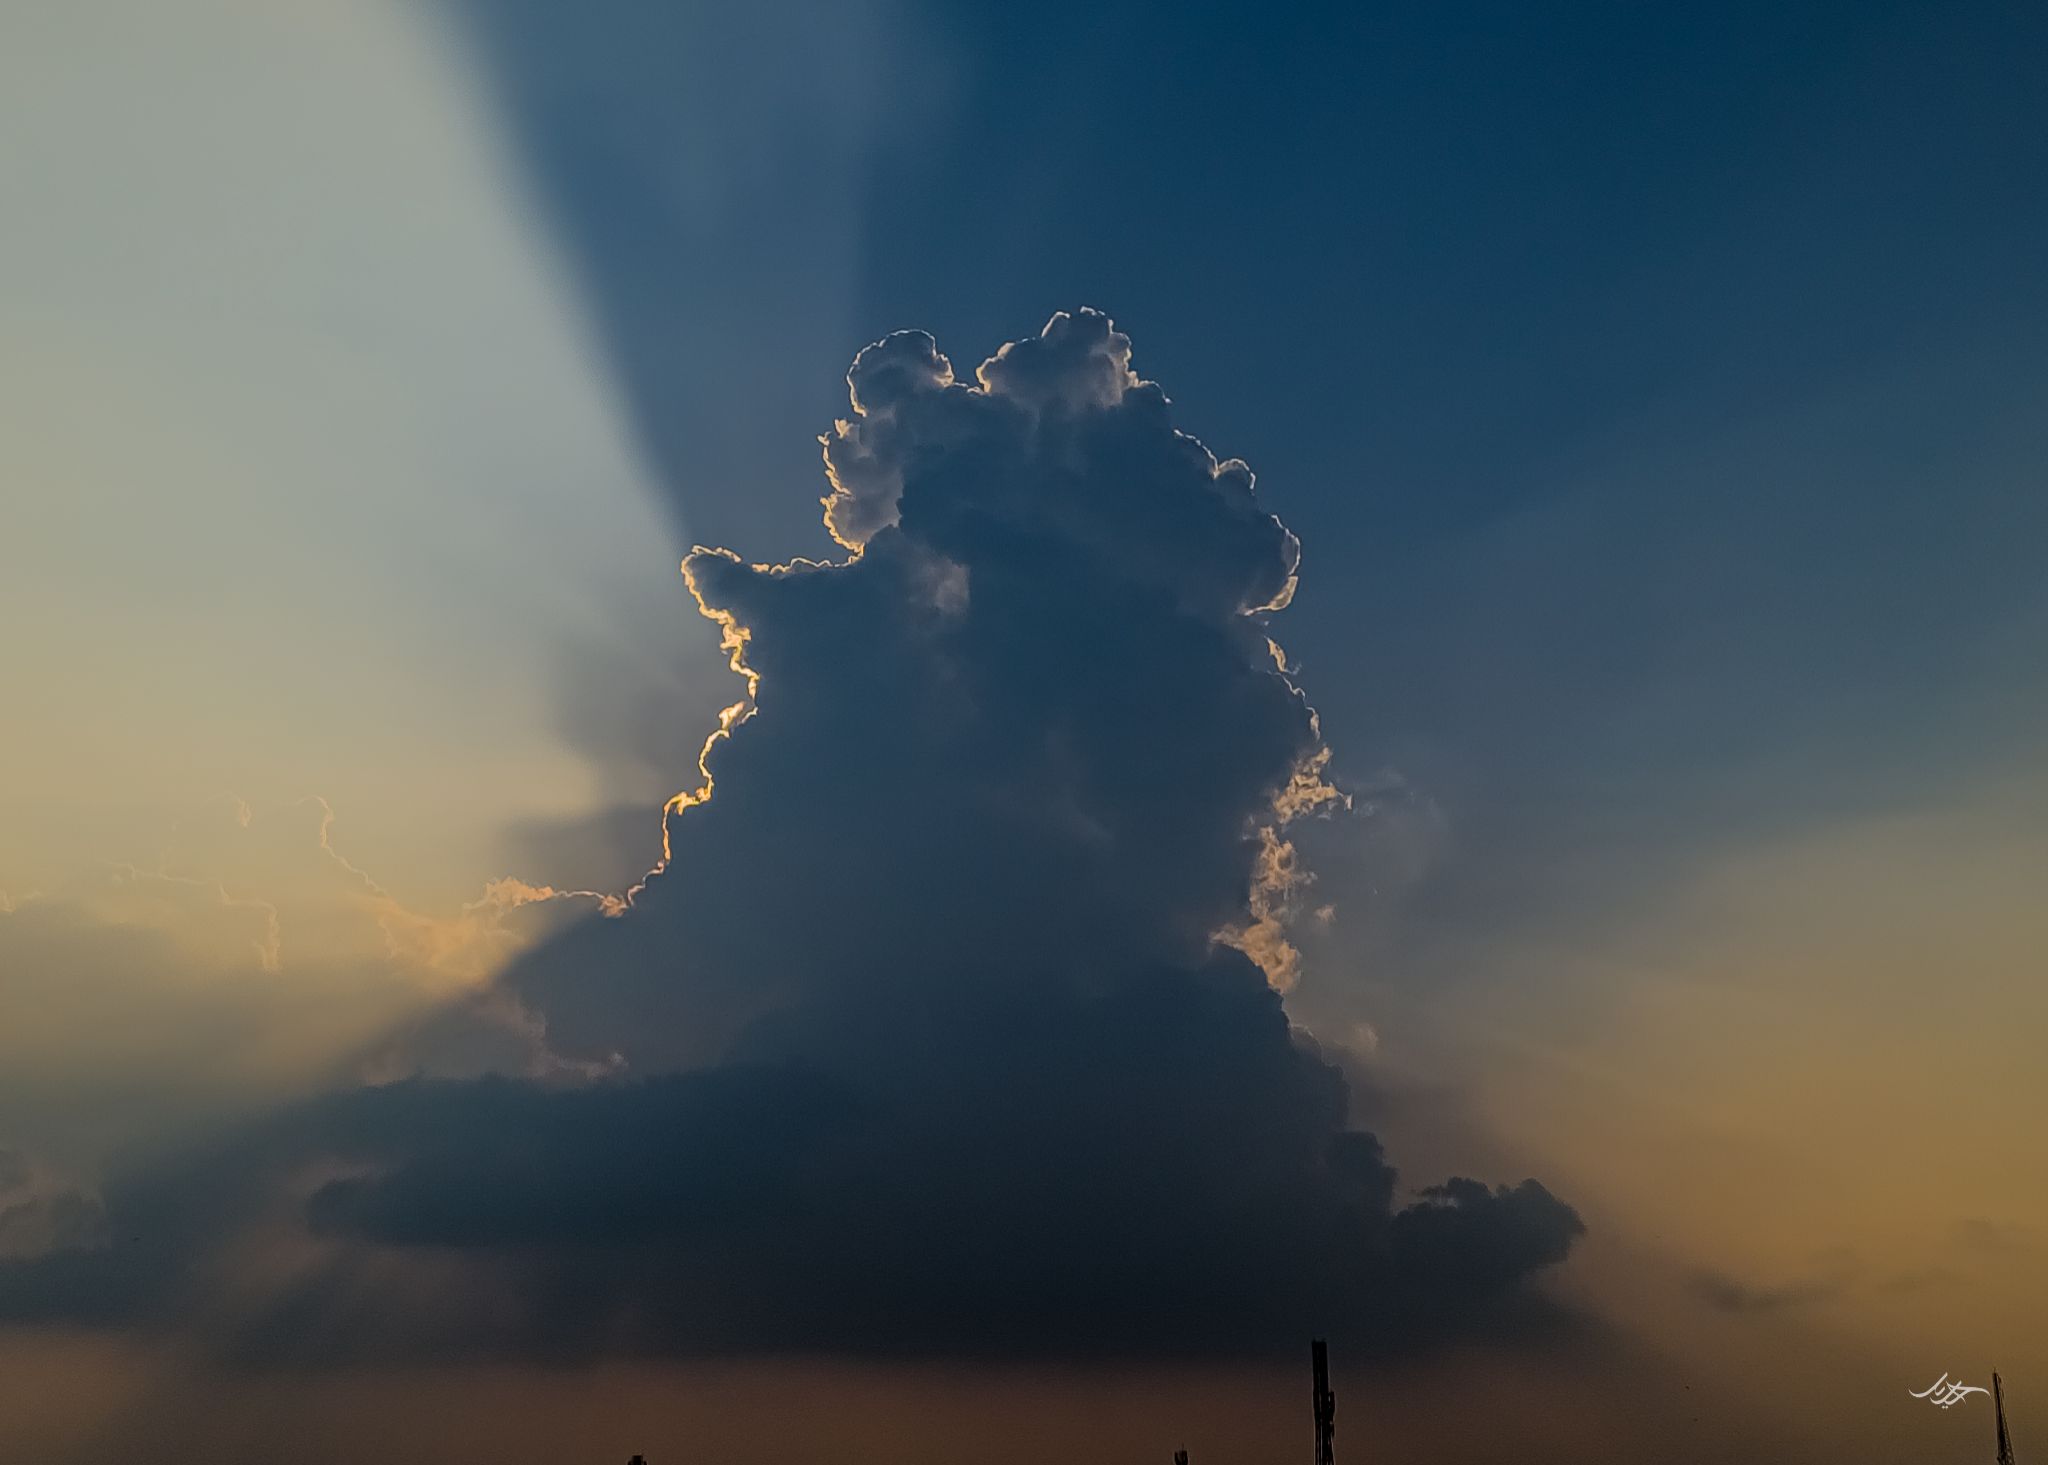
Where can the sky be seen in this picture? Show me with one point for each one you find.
(1364, 670)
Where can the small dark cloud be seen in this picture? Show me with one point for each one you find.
(1981, 1236)
(950, 1024)
(1920, 1279)
(1726, 1293)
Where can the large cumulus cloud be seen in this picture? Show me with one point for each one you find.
(952, 1020)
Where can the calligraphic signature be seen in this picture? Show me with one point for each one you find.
(1943, 1394)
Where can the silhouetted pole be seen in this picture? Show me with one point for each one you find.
(1325, 1405)
(2005, 1455)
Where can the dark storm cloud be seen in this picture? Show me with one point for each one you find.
(944, 1027)
(1031, 728)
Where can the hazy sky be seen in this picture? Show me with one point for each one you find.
(1658, 398)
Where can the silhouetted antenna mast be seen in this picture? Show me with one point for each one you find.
(1325, 1405)
(2005, 1455)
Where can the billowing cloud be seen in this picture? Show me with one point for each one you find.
(951, 1021)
